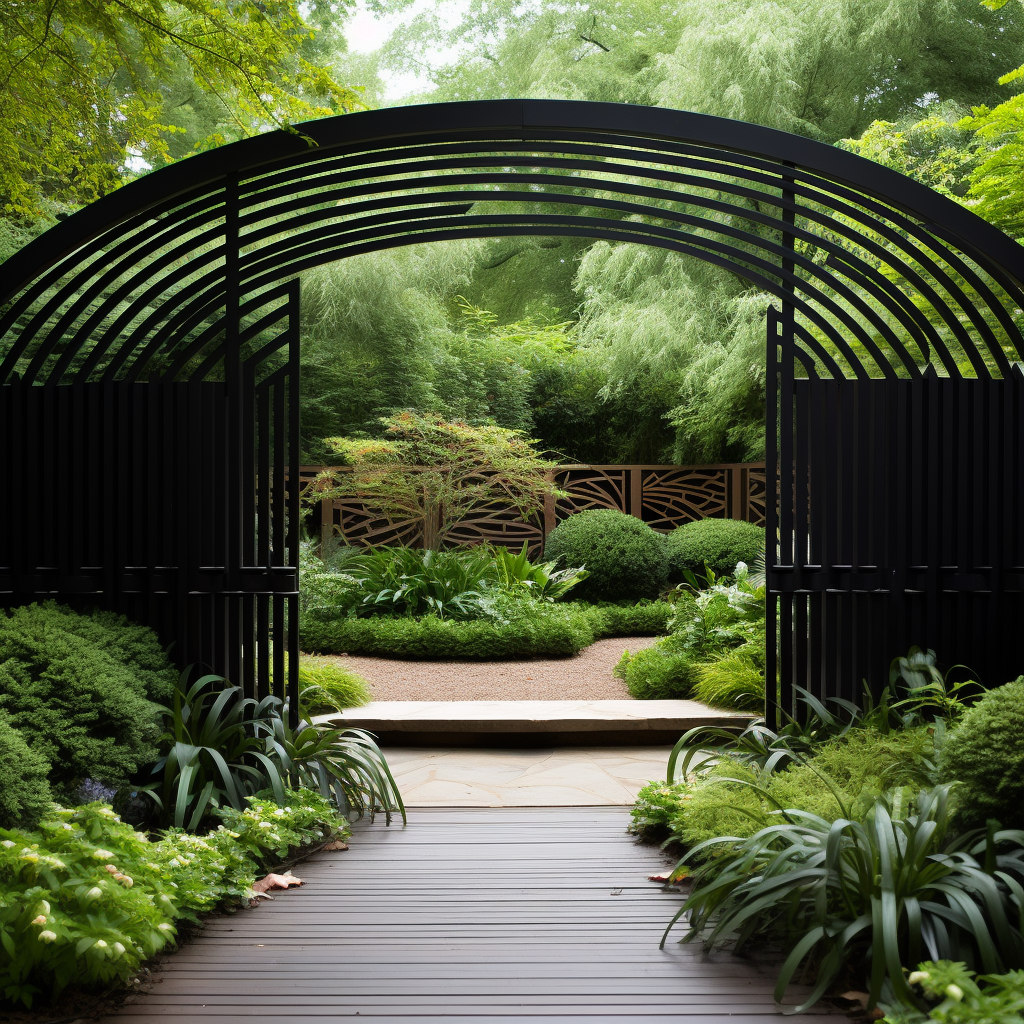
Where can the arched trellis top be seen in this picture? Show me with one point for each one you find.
(884, 275)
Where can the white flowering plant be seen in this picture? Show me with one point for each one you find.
(954, 994)
(82, 901)
(85, 898)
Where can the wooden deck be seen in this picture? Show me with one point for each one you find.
(474, 916)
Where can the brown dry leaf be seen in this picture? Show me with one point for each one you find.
(272, 881)
(658, 878)
(335, 844)
(859, 999)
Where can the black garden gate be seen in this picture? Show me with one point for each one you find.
(149, 366)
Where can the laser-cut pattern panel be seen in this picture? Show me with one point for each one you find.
(673, 496)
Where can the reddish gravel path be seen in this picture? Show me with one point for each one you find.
(587, 676)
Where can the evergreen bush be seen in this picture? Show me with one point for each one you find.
(133, 645)
(24, 789)
(624, 556)
(986, 757)
(715, 544)
(662, 672)
(77, 704)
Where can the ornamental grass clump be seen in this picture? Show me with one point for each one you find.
(326, 687)
(877, 892)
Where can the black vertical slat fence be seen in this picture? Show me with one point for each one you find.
(156, 524)
(910, 535)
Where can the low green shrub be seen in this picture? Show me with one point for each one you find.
(24, 787)
(645, 618)
(624, 556)
(656, 807)
(661, 672)
(954, 994)
(715, 544)
(984, 754)
(842, 894)
(326, 687)
(128, 643)
(85, 899)
(550, 631)
(73, 699)
(717, 645)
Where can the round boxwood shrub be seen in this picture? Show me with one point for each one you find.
(986, 756)
(624, 556)
(716, 543)
(24, 789)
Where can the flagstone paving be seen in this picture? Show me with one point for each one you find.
(582, 777)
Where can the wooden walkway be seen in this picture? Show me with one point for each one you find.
(473, 916)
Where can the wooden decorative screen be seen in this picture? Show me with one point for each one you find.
(664, 496)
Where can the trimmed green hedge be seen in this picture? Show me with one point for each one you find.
(557, 630)
(716, 543)
(625, 558)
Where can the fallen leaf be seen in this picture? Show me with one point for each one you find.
(272, 881)
(658, 878)
(335, 844)
(859, 999)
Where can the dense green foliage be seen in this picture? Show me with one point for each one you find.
(624, 557)
(986, 756)
(528, 630)
(482, 582)
(86, 86)
(830, 838)
(24, 782)
(835, 889)
(220, 747)
(70, 687)
(715, 544)
(85, 898)
(715, 652)
(954, 994)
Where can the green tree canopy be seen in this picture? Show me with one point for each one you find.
(86, 85)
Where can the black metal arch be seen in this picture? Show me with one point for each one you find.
(185, 281)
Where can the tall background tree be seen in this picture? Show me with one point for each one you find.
(605, 352)
(93, 91)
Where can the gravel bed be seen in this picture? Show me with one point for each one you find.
(586, 676)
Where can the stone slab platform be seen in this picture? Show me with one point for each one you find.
(532, 722)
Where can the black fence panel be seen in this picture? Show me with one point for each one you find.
(897, 525)
(181, 513)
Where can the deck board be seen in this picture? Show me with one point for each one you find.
(468, 915)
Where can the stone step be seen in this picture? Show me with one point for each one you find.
(532, 722)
